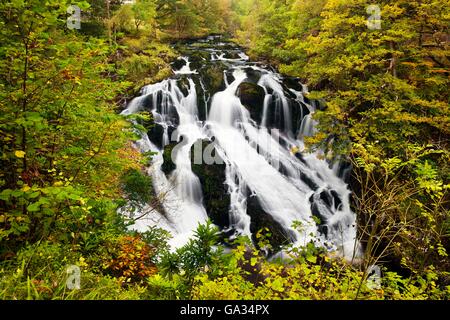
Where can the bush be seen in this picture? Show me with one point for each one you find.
(137, 187)
(93, 28)
(317, 278)
(130, 259)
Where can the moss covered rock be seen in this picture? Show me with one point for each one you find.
(252, 97)
(168, 166)
(216, 197)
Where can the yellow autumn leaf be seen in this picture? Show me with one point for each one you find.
(20, 154)
(26, 188)
(295, 149)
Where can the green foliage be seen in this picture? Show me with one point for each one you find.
(200, 255)
(317, 278)
(123, 18)
(144, 13)
(41, 274)
(64, 149)
(137, 187)
(144, 62)
(193, 18)
(386, 93)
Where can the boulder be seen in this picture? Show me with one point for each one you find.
(178, 64)
(292, 82)
(252, 97)
(253, 75)
(168, 166)
(260, 220)
(156, 134)
(215, 190)
(213, 78)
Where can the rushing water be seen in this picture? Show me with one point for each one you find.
(261, 150)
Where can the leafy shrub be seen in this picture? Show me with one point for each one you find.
(137, 187)
(199, 255)
(130, 259)
(320, 278)
(93, 28)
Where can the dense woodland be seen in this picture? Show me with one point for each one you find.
(68, 162)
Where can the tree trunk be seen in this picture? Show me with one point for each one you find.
(108, 17)
(393, 66)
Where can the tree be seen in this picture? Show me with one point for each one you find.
(60, 135)
(123, 18)
(144, 13)
(386, 93)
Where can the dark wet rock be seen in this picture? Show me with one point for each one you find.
(315, 199)
(168, 166)
(213, 78)
(213, 180)
(252, 97)
(147, 103)
(300, 157)
(232, 55)
(167, 110)
(202, 100)
(319, 104)
(156, 134)
(293, 83)
(155, 131)
(183, 85)
(323, 229)
(178, 64)
(261, 220)
(282, 169)
(275, 115)
(326, 197)
(230, 76)
(337, 200)
(297, 114)
(317, 213)
(308, 181)
(253, 75)
(331, 199)
(344, 170)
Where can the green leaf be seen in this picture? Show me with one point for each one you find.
(311, 258)
(5, 194)
(34, 207)
(33, 195)
(17, 193)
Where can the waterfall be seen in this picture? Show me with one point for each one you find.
(282, 111)
(262, 161)
(186, 69)
(226, 108)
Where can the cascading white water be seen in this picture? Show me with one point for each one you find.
(186, 69)
(265, 163)
(226, 108)
(181, 192)
(270, 82)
